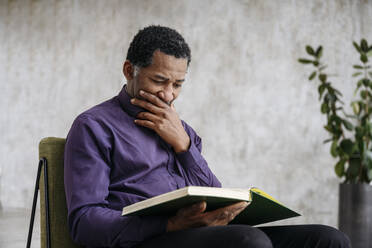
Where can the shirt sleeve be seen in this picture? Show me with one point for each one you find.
(87, 178)
(195, 166)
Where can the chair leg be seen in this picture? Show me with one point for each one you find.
(46, 190)
(42, 162)
(34, 204)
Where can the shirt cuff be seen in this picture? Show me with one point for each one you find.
(191, 157)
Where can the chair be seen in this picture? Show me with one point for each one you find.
(53, 209)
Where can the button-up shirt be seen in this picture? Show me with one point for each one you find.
(110, 162)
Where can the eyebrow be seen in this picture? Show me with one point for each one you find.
(166, 79)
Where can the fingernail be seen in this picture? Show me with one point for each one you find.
(243, 206)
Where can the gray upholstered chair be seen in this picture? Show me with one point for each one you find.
(53, 209)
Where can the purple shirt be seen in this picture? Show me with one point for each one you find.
(110, 162)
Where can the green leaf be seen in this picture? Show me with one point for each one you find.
(321, 89)
(358, 67)
(310, 50)
(305, 61)
(347, 146)
(347, 125)
(359, 132)
(316, 63)
(363, 94)
(366, 82)
(357, 74)
(334, 118)
(369, 54)
(340, 168)
(319, 52)
(356, 108)
(328, 128)
(363, 58)
(334, 151)
(327, 140)
(324, 108)
(323, 77)
(357, 47)
(360, 83)
(364, 45)
(312, 76)
(322, 67)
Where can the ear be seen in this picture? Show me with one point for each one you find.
(128, 70)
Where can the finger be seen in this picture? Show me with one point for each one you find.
(153, 99)
(235, 209)
(149, 116)
(196, 208)
(236, 206)
(225, 214)
(145, 123)
(146, 105)
(217, 218)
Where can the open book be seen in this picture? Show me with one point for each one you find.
(262, 207)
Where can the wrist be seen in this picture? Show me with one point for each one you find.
(183, 146)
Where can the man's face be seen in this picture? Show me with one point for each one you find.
(163, 78)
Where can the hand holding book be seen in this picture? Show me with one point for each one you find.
(217, 206)
(195, 216)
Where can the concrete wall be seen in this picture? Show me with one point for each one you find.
(246, 94)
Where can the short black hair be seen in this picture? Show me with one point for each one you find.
(152, 38)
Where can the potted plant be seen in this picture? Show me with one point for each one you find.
(350, 138)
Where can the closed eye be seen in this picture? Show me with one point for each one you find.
(158, 81)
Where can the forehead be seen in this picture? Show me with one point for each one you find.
(167, 65)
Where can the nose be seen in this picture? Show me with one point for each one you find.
(166, 94)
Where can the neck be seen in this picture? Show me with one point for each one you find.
(129, 91)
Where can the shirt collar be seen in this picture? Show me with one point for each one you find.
(125, 103)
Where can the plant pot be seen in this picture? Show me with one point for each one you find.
(355, 213)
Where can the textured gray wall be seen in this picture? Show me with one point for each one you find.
(246, 95)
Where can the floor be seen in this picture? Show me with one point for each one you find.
(14, 225)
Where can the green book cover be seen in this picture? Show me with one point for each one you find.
(262, 207)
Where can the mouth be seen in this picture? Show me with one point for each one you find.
(141, 98)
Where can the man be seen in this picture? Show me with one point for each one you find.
(134, 146)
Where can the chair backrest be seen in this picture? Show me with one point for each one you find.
(53, 149)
